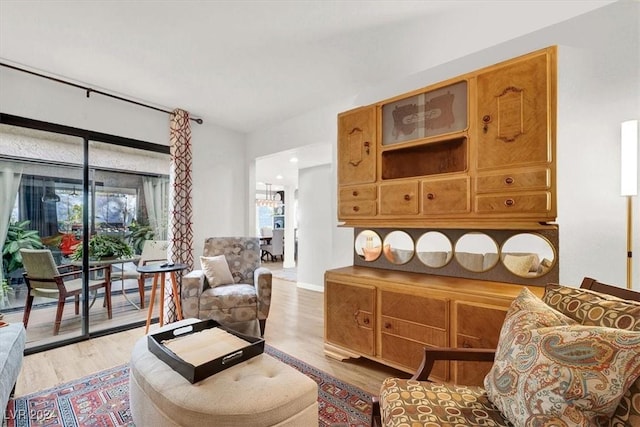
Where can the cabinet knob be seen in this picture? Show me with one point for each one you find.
(431, 196)
(486, 119)
(366, 147)
(356, 208)
(466, 344)
(355, 193)
(509, 202)
(407, 197)
(387, 325)
(365, 320)
(508, 180)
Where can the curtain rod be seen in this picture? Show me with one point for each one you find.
(91, 90)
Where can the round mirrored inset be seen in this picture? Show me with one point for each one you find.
(368, 245)
(434, 249)
(398, 247)
(528, 255)
(476, 252)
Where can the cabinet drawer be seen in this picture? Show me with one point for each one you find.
(399, 199)
(536, 179)
(408, 354)
(423, 310)
(414, 331)
(352, 194)
(445, 196)
(357, 208)
(530, 203)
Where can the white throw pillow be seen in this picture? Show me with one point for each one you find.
(216, 270)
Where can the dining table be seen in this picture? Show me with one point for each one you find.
(111, 261)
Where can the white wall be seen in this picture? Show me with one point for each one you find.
(318, 126)
(315, 219)
(218, 154)
(599, 87)
(220, 184)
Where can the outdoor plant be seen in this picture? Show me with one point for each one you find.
(18, 237)
(138, 233)
(5, 290)
(103, 246)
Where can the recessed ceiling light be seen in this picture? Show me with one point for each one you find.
(293, 160)
(278, 176)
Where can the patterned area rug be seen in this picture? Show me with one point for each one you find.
(102, 400)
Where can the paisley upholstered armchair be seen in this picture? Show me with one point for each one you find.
(568, 359)
(231, 286)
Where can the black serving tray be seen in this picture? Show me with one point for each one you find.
(193, 374)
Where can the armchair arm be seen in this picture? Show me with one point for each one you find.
(431, 354)
(262, 280)
(192, 288)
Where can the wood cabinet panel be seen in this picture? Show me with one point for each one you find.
(476, 326)
(414, 331)
(515, 203)
(514, 180)
(408, 354)
(399, 198)
(444, 196)
(419, 309)
(357, 208)
(357, 146)
(349, 310)
(513, 113)
(356, 193)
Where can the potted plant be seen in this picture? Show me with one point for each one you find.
(138, 233)
(18, 237)
(103, 246)
(5, 290)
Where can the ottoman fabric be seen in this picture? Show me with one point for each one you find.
(259, 392)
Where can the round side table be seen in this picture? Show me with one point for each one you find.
(158, 271)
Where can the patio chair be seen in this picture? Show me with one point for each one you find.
(153, 252)
(45, 279)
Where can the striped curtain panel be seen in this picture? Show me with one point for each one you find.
(180, 233)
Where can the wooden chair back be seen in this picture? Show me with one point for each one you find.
(594, 285)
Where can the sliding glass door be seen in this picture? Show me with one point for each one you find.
(130, 190)
(55, 189)
(41, 185)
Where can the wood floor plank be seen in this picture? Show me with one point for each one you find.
(295, 326)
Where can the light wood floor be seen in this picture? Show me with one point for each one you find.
(295, 326)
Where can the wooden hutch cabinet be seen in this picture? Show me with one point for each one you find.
(476, 148)
(474, 152)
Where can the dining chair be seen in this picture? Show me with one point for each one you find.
(153, 251)
(275, 248)
(46, 279)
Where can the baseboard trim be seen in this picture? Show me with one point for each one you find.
(310, 286)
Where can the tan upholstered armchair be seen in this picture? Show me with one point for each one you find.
(231, 286)
(568, 359)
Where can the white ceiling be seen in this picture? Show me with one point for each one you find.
(247, 63)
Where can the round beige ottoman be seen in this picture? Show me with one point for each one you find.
(259, 392)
